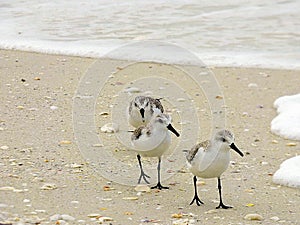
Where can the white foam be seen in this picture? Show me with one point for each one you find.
(289, 173)
(287, 123)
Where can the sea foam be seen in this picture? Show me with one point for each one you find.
(287, 125)
(287, 122)
(289, 173)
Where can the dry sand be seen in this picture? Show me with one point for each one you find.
(38, 148)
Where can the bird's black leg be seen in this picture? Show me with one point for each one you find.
(196, 198)
(221, 205)
(143, 175)
(159, 186)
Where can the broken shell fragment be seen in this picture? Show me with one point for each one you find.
(110, 128)
(142, 188)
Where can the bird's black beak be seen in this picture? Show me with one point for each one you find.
(172, 129)
(236, 149)
(142, 111)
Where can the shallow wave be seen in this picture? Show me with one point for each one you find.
(235, 33)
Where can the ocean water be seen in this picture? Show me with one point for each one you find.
(287, 125)
(258, 33)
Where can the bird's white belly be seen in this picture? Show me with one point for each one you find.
(211, 167)
(159, 149)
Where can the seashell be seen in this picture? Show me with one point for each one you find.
(142, 188)
(110, 128)
(253, 216)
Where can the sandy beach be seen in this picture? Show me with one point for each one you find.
(45, 179)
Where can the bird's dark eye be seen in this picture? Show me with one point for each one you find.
(147, 104)
(223, 139)
(135, 104)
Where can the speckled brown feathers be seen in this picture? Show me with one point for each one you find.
(191, 154)
(156, 103)
(138, 132)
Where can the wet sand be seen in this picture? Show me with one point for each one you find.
(43, 172)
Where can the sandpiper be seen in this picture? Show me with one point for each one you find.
(153, 140)
(209, 159)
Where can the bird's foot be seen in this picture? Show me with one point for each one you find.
(159, 186)
(197, 200)
(221, 205)
(144, 176)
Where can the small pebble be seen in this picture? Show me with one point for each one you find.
(142, 188)
(7, 188)
(110, 128)
(20, 107)
(33, 109)
(3, 205)
(49, 186)
(180, 99)
(130, 198)
(219, 97)
(65, 142)
(203, 73)
(132, 90)
(253, 216)
(40, 211)
(93, 215)
(252, 85)
(4, 147)
(104, 219)
(55, 217)
(201, 183)
(176, 215)
(275, 142)
(103, 113)
(291, 144)
(250, 205)
(97, 145)
(26, 200)
(75, 165)
(67, 217)
(107, 188)
(53, 107)
(275, 218)
(74, 202)
(244, 114)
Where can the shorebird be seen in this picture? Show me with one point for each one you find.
(153, 140)
(141, 109)
(209, 159)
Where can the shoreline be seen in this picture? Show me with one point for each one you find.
(44, 173)
(97, 56)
